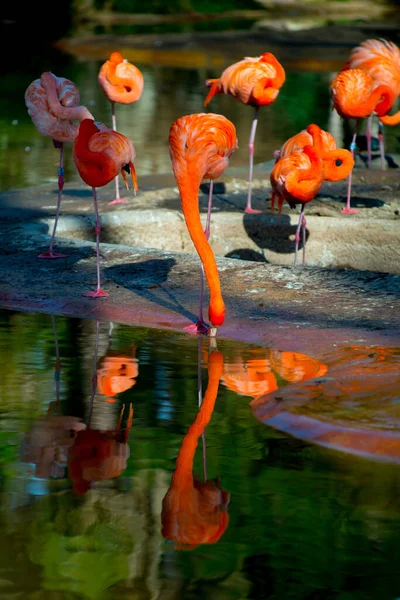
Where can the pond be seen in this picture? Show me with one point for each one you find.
(174, 85)
(135, 463)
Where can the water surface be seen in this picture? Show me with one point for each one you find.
(95, 506)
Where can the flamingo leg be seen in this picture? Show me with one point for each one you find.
(297, 235)
(369, 136)
(381, 145)
(348, 210)
(248, 208)
(201, 326)
(303, 227)
(99, 292)
(50, 253)
(94, 375)
(118, 199)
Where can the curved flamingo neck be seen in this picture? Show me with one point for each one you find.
(188, 181)
(385, 103)
(184, 462)
(74, 113)
(96, 168)
(304, 184)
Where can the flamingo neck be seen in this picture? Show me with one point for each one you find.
(188, 181)
(391, 119)
(304, 184)
(386, 99)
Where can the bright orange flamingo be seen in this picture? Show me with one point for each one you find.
(53, 105)
(355, 96)
(381, 60)
(297, 178)
(195, 512)
(100, 154)
(98, 455)
(200, 146)
(337, 162)
(121, 82)
(253, 81)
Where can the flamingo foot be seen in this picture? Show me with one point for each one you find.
(96, 294)
(50, 254)
(199, 327)
(252, 211)
(118, 201)
(349, 211)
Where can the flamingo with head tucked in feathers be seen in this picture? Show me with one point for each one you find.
(255, 81)
(53, 105)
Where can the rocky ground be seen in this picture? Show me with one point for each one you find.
(347, 293)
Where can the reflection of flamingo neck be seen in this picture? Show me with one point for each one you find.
(184, 463)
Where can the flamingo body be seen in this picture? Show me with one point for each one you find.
(200, 146)
(120, 80)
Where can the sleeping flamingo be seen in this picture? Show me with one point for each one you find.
(255, 81)
(356, 96)
(53, 105)
(100, 154)
(195, 512)
(337, 163)
(297, 178)
(121, 82)
(381, 60)
(200, 146)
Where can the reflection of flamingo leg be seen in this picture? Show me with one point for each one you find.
(94, 375)
(201, 326)
(99, 292)
(58, 364)
(118, 199)
(248, 208)
(50, 253)
(348, 210)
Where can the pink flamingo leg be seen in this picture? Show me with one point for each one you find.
(118, 199)
(381, 145)
(368, 136)
(297, 235)
(99, 292)
(201, 326)
(348, 210)
(50, 253)
(248, 208)
(304, 225)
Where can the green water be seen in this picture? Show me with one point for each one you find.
(302, 522)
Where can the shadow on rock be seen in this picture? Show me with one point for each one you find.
(146, 279)
(272, 232)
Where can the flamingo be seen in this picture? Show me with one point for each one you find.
(53, 105)
(121, 82)
(381, 60)
(200, 146)
(255, 81)
(195, 512)
(297, 178)
(356, 96)
(100, 154)
(324, 143)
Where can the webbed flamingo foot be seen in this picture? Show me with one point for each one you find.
(96, 294)
(349, 211)
(252, 211)
(50, 254)
(200, 327)
(119, 201)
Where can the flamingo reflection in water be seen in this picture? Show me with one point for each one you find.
(195, 512)
(98, 455)
(116, 373)
(47, 442)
